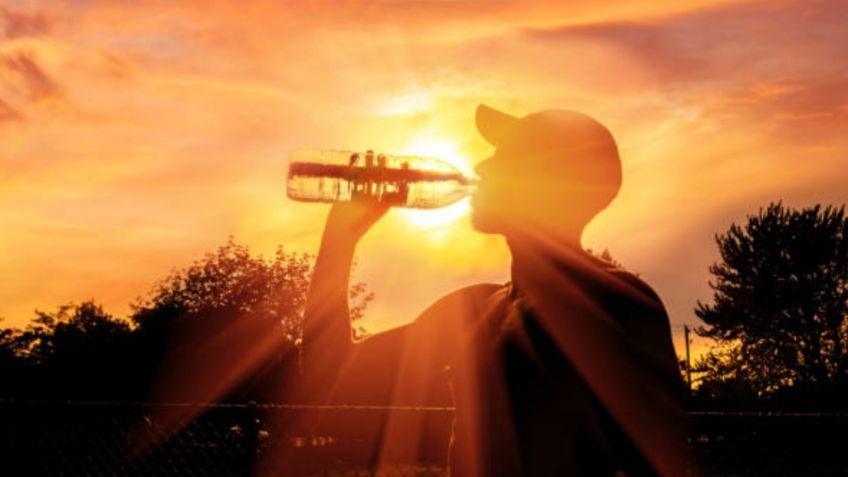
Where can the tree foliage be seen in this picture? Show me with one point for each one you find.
(779, 317)
(81, 351)
(230, 278)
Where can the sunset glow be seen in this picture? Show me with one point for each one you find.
(135, 137)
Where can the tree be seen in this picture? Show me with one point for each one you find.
(78, 331)
(78, 351)
(606, 256)
(779, 317)
(225, 328)
(11, 365)
(195, 325)
(230, 278)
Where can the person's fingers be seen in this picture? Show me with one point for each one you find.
(356, 216)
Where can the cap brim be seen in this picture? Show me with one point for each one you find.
(493, 124)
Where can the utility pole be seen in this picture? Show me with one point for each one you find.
(688, 364)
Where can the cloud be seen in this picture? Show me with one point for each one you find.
(22, 25)
(7, 113)
(28, 77)
(793, 110)
(652, 44)
(775, 68)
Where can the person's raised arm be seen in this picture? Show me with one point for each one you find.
(327, 333)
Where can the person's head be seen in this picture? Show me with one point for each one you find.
(551, 172)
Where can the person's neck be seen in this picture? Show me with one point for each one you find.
(530, 251)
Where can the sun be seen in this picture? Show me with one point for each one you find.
(447, 151)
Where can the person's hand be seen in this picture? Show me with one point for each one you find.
(353, 219)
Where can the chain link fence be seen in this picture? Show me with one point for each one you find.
(98, 439)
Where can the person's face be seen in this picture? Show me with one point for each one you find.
(485, 200)
(513, 188)
(534, 185)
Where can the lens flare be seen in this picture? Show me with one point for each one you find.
(445, 150)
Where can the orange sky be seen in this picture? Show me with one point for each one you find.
(136, 136)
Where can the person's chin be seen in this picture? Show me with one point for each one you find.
(482, 223)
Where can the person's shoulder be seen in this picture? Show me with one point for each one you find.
(462, 305)
(635, 305)
(477, 293)
(626, 283)
(635, 284)
(467, 298)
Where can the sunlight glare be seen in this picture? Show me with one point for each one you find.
(447, 151)
(412, 102)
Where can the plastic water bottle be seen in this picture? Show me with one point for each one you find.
(404, 181)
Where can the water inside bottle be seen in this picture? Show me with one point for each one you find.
(404, 181)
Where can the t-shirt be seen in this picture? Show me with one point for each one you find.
(523, 408)
(586, 385)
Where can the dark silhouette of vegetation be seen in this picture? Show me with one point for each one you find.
(778, 320)
(779, 317)
(607, 257)
(80, 351)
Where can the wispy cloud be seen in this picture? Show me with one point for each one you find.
(7, 113)
(17, 24)
(26, 76)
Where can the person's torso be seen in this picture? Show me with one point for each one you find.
(536, 416)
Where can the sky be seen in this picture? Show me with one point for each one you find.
(137, 136)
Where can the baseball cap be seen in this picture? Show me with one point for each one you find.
(558, 138)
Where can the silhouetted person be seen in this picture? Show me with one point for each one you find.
(567, 370)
